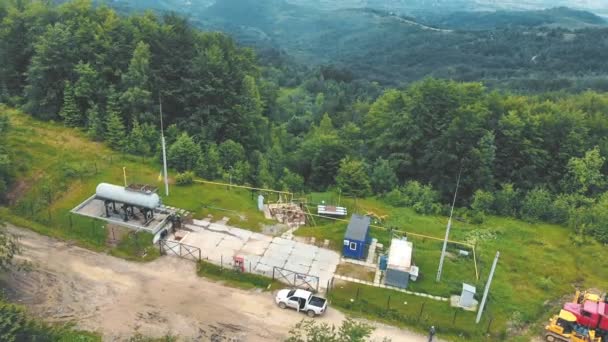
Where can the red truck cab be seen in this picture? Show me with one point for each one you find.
(591, 314)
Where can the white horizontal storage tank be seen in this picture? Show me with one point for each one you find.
(120, 194)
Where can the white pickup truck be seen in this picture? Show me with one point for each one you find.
(301, 300)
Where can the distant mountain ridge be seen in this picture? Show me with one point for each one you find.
(597, 6)
(517, 49)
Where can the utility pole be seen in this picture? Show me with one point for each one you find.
(162, 138)
(485, 292)
(447, 230)
(124, 175)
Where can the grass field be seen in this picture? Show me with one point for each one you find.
(539, 264)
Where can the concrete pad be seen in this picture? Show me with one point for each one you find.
(320, 267)
(283, 242)
(305, 253)
(295, 260)
(260, 237)
(279, 249)
(325, 256)
(218, 228)
(232, 243)
(255, 247)
(263, 269)
(270, 261)
(240, 233)
(201, 223)
(296, 268)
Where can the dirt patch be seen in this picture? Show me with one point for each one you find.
(119, 298)
(20, 187)
(356, 271)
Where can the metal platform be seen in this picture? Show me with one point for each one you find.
(94, 208)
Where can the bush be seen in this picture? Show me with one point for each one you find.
(506, 201)
(422, 198)
(185, 178)
(483, 202)
(537, 205)
(395, 198)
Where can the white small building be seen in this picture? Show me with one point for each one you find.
(399, 264)
(467, 298)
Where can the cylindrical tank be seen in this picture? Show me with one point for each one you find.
(120, 194)
(383, 262)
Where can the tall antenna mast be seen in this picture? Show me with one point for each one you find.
(447, 230)
(162, 139)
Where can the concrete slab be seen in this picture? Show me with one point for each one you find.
(202, 223)
(296, 268)
(271, 262)
(255, 247)
(263, 269)
(279, 249)
(260, 237)
(242, 234)
(231, 242)
(305, 251)
(218, 228)
(299, 261)
(283, 242)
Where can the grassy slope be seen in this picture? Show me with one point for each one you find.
(65, 161)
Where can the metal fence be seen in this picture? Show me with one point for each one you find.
(180, 249)
(296, 279)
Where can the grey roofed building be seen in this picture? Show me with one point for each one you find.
(358, 227)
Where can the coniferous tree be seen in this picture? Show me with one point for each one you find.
(95, 123)
(136, 143)
(69, 111)
(115, 135)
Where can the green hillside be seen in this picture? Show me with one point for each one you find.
(540, 263)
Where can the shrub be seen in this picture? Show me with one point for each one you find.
(395, 198)
(483, 201)
(185, 178)
(537, 205)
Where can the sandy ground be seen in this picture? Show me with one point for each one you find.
(117, 298)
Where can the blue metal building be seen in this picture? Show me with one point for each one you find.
(357, 239)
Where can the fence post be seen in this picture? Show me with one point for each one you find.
(294, 279)
(70, 218)
(357, 296)
(273, 272)
(454, 319)
(421, 310)
(250, 267)
(222, 261)
(199, 254)
(180, 249)
(160, 247)
(328, 286)
(388, 303)
(489, 325)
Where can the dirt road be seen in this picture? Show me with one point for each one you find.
(117, 297)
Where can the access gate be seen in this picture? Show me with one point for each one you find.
(296, 279)
(180, 249)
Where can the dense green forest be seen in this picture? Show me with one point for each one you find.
(272, 124)
(533, 51)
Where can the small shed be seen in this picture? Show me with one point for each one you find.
(357, 237)
(399, 263)
(467, 299)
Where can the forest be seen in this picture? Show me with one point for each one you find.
(269, 122)
(527, 51)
